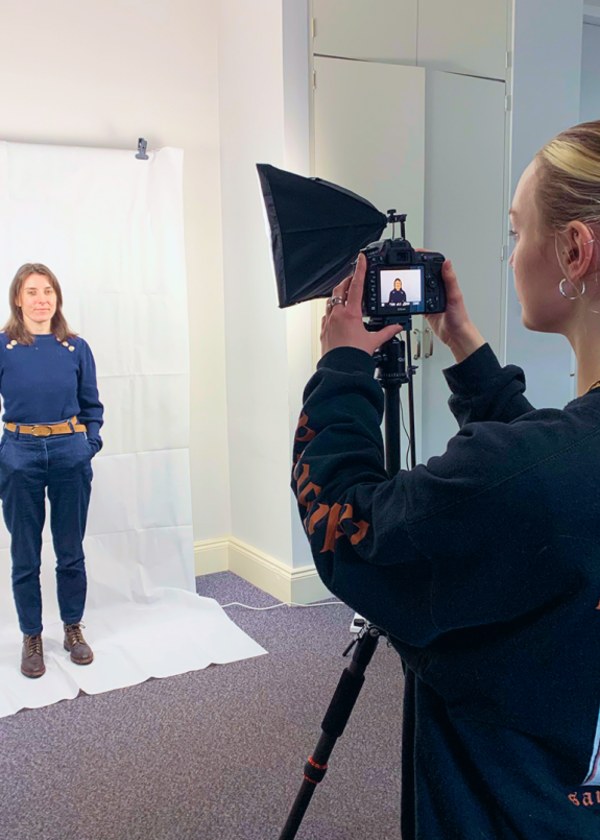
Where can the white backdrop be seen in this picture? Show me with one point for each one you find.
(111, 228)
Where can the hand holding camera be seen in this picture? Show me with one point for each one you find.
(343, 325)
(453, 326)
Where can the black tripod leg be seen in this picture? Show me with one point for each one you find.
(391, 363)
(333, 725)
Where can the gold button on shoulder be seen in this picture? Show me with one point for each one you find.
(9, 347)
(71, 348)
(65, 344)
(14, 342)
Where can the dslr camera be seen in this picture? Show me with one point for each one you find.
(401, 282)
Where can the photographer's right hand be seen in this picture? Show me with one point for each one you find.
(453, 326)
(343, 325)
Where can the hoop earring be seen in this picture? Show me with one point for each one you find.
(578, 293)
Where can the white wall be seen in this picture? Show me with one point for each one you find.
(590, 73)
(262, 120)
(104, 74)
(299, 319)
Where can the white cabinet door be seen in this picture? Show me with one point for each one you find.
(464, 36)
(372, 30)
(377, 152)
(464, 219)
(590, 73)
(440, 158)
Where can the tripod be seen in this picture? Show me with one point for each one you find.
(392, 373)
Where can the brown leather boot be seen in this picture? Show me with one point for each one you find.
(32, 658)
(81, 652)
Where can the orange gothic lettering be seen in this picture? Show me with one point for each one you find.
(306, 487)
(308, 492)
(337, 515)
(303, 433)
(313, 519)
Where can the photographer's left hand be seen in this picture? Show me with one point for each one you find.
(343, 326)
(453, 326)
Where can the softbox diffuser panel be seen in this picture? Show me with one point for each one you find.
(317, 229)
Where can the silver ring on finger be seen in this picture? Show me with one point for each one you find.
(335, 301)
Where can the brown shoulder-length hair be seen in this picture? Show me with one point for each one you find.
(15, 327)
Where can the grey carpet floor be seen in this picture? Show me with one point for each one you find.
(216, 753)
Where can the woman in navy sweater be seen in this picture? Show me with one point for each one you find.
(52, 418)
(483, 565)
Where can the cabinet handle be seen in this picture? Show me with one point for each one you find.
(428, 343)
(416, 334)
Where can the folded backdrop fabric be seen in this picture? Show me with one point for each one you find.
(110, 227)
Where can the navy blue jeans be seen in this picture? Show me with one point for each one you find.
(29, 465)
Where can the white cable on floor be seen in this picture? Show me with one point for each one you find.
(287, 604)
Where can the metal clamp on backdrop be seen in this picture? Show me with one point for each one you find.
(141, 149)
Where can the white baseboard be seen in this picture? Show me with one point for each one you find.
(300, 586)
(211, 556)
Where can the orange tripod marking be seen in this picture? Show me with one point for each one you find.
(320, 768)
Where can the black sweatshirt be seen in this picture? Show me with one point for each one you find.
(484, 567)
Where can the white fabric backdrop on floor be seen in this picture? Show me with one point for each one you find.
(110, 227)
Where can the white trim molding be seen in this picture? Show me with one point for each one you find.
(300, 586)
(591, 13)
(211, 556)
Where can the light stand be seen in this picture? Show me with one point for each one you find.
(392, 373)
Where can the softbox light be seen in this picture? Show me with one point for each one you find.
(317, 229)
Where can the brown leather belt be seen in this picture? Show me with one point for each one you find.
(47, 429)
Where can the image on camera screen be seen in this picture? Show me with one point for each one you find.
(401, 288)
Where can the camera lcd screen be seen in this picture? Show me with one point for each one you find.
(401, 290)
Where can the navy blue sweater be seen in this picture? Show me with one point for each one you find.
(484, 566)
(46, 382)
